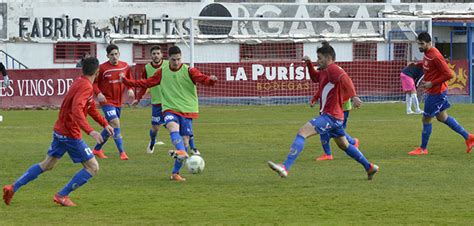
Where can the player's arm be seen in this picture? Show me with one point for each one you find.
(313, 73)
(94, 113)
(198, 77)
(144, 83)
(445, 72)
(142, 90)
(79, 102)
(348, 91)
(97, 80)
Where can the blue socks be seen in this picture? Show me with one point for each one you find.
(425, 135)
(191, 142)
(153, 137)
(354, 153)
(105, 136)
(325, 143)
(349, 138)
(32, 173)
(178, 143)
(118, 140)
(78, 180)
(295, 150)
(454, 125)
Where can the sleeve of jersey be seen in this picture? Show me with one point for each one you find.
(95, 85)
(445, 73)
(144, 83)
(347, 87)
(199, 77)
(128, 75)
(142, 90)
(94, 113)
(313, 73)
(78, 104)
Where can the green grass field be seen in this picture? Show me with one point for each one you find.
(237, 187)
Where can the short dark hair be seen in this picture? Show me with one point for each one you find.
(174, 50)
(155, 48)
(90, 65)
(111, 47)
(327, 50)
(424, 37)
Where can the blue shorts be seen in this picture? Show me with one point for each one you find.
(326, 124)
(185, 124)
(76, 148)
(111, 112)
(156, 115)
(436, 103)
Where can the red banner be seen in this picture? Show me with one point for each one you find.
(459, 84)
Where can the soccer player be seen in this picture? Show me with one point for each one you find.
(179, 101)
(109, 90)
(6, 79)
(67, 137)
(335, 87)
(346, 107)
(409, 76)
(437, 73)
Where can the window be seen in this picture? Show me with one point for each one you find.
(71, 52)
(364, 51)
(141, 52)
(271, 51)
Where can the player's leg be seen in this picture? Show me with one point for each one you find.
(79, 153)
(454, 125)
(110, 114)
(407, 87)
(416, 103)
(354, 152)
(55, 152)
(156, 121)
(192, 145)
(433, 104)
(115, 123)
(307, 130)
(353, 141)
(173, 125)
(325, 138)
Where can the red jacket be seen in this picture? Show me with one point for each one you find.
(76, 105)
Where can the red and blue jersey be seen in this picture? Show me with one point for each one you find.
(108, 82)
(335, 88)
(436, 71)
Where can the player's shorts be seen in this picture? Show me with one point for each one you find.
(111, 112)
(76, 148)
(326, 124)
(436, 103)
(408, 84)
(157, 115)
(185, 124)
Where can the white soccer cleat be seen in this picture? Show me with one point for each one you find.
(279, 168)
(160, 143)
(410, 112)
(195, 151)
(178, 155)
(149, 148)
(418, 112)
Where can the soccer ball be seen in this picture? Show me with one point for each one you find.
(195, 164)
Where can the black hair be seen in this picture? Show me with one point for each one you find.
(424, 37)
(90, 65)
(155, 48)
(111, 47)
(174, 50)
(327, 50)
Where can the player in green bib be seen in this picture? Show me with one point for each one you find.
(179, 101)
(156, 115)
(347, 107)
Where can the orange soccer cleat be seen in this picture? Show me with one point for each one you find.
(470, 143)
(418, 151)
(372, 171)
(63, 200)
(99, 153)
(123, 155)
(177, 177)
(8, 193)
(324, 157)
